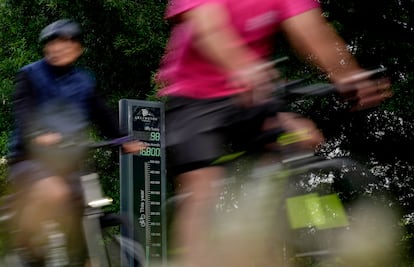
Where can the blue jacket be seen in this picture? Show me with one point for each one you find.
(39, 84)
(71, 84)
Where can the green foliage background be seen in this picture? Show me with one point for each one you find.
(124, 42)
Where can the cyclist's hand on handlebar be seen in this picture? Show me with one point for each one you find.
(365, 92)
(300, 131)
(257, 81)
(48, 139)
(133, 147)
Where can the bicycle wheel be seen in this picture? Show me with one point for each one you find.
(8, 254)
(121, 251)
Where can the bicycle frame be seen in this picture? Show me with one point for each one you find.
(93, 220)
(277, 208)
(266, 177)
(94, 201)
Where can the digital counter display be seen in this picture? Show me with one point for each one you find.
(143, 176)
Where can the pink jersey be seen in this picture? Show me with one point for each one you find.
(185, 72)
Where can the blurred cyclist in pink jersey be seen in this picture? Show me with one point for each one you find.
(216, 75)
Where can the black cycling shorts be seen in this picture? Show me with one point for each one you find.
(198, 131)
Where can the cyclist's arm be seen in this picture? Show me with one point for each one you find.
(107, 121)
(104, 117)
(23, 102)
(220, 43)
(312, 37)
(216, 39)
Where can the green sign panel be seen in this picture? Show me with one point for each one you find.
(143, 185)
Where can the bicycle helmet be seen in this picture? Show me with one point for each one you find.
(60, 28)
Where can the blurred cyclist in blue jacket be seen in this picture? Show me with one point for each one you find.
(54, 101)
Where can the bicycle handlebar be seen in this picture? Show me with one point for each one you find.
(291, 90)
(89, 144)
(113, 142)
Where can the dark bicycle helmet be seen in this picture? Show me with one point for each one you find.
(60, 28)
